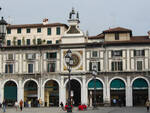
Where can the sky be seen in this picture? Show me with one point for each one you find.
(95, 15)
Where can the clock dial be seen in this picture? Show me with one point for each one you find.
(76, 60)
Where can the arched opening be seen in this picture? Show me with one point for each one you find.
(51, 93)
(117, 92)
(75, 92)
(30, 93)
(10, 93)
(99, 92)
(140, 92)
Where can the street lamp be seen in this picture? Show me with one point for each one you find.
(94, 73)
(3, 24)
(69, 62)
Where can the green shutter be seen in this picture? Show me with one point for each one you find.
(10, 93)
(99, 85)
(140, 84)
(117, 84)
(48, 31)
(58, 30)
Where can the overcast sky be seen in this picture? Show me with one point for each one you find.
(95, 15)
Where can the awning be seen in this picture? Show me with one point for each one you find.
(32, 95)
(140, 84)
(99, 85)
(117, 84)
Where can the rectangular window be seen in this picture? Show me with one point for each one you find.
(28, 41)
(9, 68)
(116, 36)
(58, 31)
(8, 31)
(116, 53)
(51, 67)
(49, 42)
(94, 54)
(51, 55)
(18, 30)
(8, 42)
(38, 30)
(28, 30)
(10, 57)
(39, 41)
(30, 56)
(92, 64)
(116, 66)
(30, 68)
(139, 65)
(139, 52)
(19, 42)
(57, 41)
(48, 31)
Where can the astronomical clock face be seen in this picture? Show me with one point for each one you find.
(77, 60)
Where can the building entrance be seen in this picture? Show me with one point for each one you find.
(75, 92)
(51, 93)
(30, 93)
(117, 93)
(99, 92)
(140, 92)
(10, 93)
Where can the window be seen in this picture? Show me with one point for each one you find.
(139, 53)
(116, 36)
(51, 67)
(28, 30)
(116, 66)
(94, 54)
(48, 31)
(49, 42)
(58, 30)
(19, 30)
(57, 41)
(38, 30)
(30, 56)
(9, 68)
(19, 42)
(116, 53)
(10, 57)
(51, 55)
(139, 65)
(39, 41)
(8, 31)
(28, 41)
(8, 42)
(30, 68)
(92, 64)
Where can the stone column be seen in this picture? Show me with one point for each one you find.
(1, 92)
(129, 100)
(62, 91)
(20, 91)
(42, 95)
(106, 92)
(84, 93)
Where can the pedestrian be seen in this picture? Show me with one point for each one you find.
(147, 104)
(21, 104)
(4, 106)
(16, 105)
(114, 101)
(62, 105)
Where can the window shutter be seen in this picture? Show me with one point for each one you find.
(134, 52)
(143, 53)
(6, 68)
(98, 66)
(90, 66)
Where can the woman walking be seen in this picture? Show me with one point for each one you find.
(147, 104)
(21, 104)
(4, 106)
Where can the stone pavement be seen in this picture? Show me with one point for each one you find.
(75, 110)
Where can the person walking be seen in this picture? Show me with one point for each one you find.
(147, 104)
(62, 105)
(4, 106)
(16, 105)
(21, 104)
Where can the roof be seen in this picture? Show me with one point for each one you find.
(117, 29)
(36, 25)
(100, 36)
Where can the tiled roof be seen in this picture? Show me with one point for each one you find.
(117, 29)
(36, 25)
(100, 36)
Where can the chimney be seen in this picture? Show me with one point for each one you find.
(45, 21)
(149, 34)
